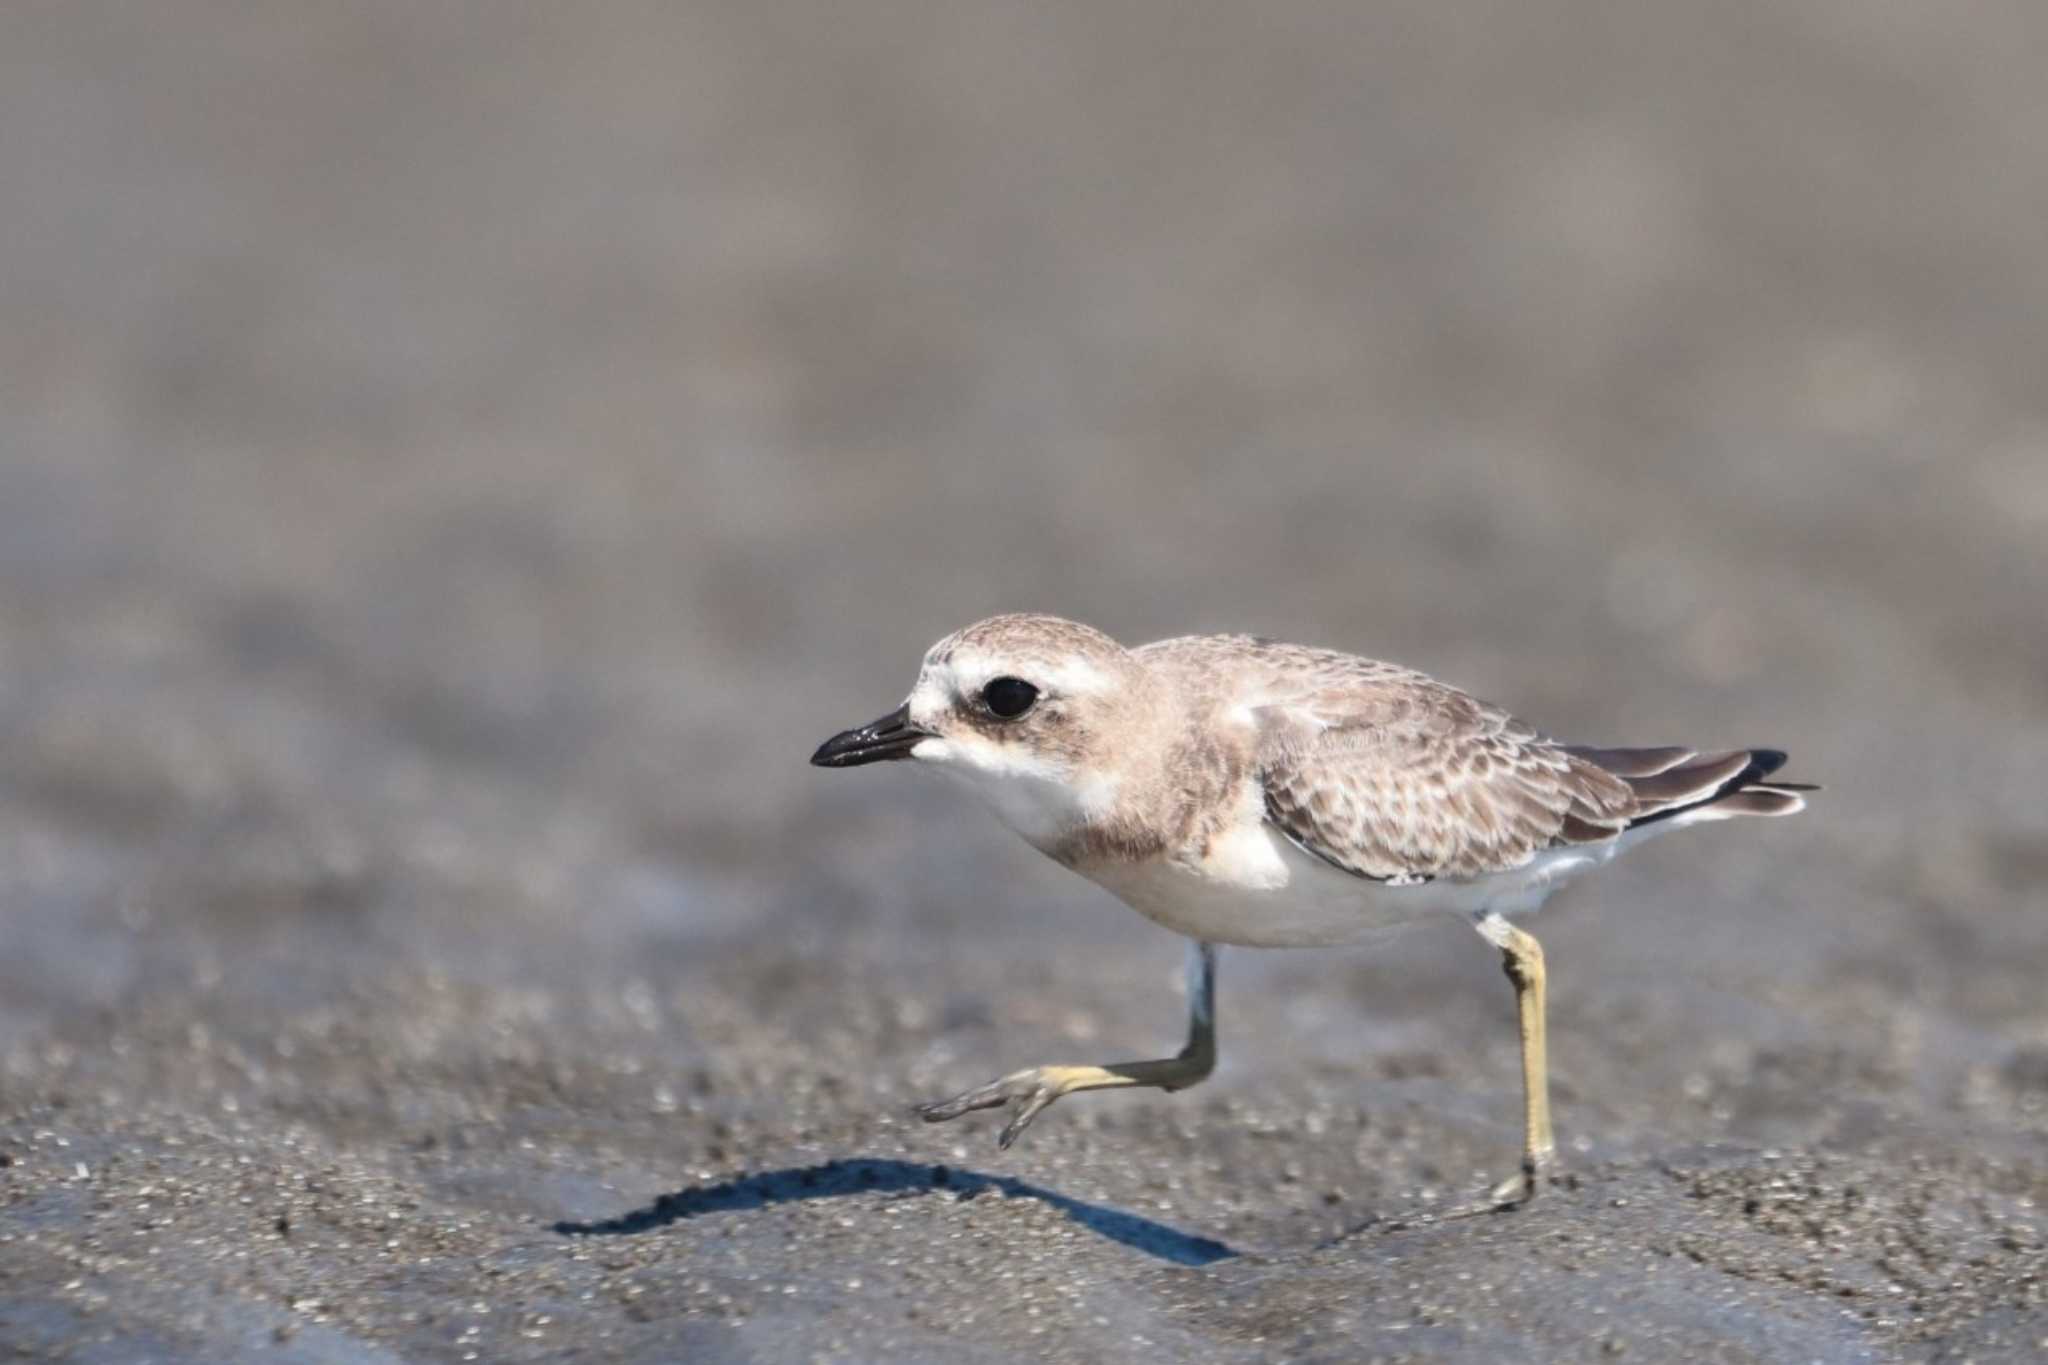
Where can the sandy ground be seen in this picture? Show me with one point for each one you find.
(457, 460)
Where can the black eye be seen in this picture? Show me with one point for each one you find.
(1008, 698)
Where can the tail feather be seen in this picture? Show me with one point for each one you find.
(1712, 786)
(1757, 801)
(1700, 780)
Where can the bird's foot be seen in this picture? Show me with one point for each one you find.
(1518, 1191)
(1028, 1092)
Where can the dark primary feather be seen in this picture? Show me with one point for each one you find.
(1731, 781)
(1628, 763)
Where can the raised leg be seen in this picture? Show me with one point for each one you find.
(1032, 1089)
(1522, 957)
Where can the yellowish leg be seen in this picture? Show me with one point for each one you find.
(1522, 957)
(1033, 1088)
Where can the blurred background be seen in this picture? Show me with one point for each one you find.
(456, 461)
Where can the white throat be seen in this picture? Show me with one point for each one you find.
(1027, 793)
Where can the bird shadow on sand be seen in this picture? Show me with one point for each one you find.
(876, 1175)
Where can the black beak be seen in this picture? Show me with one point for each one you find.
(893, 736)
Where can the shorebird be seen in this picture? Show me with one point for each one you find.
(1242, 791)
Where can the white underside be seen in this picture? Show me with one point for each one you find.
(1299, 901)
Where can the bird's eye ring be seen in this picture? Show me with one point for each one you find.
(1008, 698)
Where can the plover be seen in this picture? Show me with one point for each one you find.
(1241, 791)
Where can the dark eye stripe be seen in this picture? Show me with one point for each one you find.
(1008, 698)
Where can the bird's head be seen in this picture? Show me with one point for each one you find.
(1017, 706)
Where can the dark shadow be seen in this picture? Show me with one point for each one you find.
(874, 1175)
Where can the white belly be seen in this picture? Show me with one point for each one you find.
(1264, 892)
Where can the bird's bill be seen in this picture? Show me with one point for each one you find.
(893, 736)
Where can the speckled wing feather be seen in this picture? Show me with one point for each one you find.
(1391, 775)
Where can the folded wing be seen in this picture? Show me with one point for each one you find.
(1411, 780)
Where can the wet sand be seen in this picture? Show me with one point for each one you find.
(455, 465)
